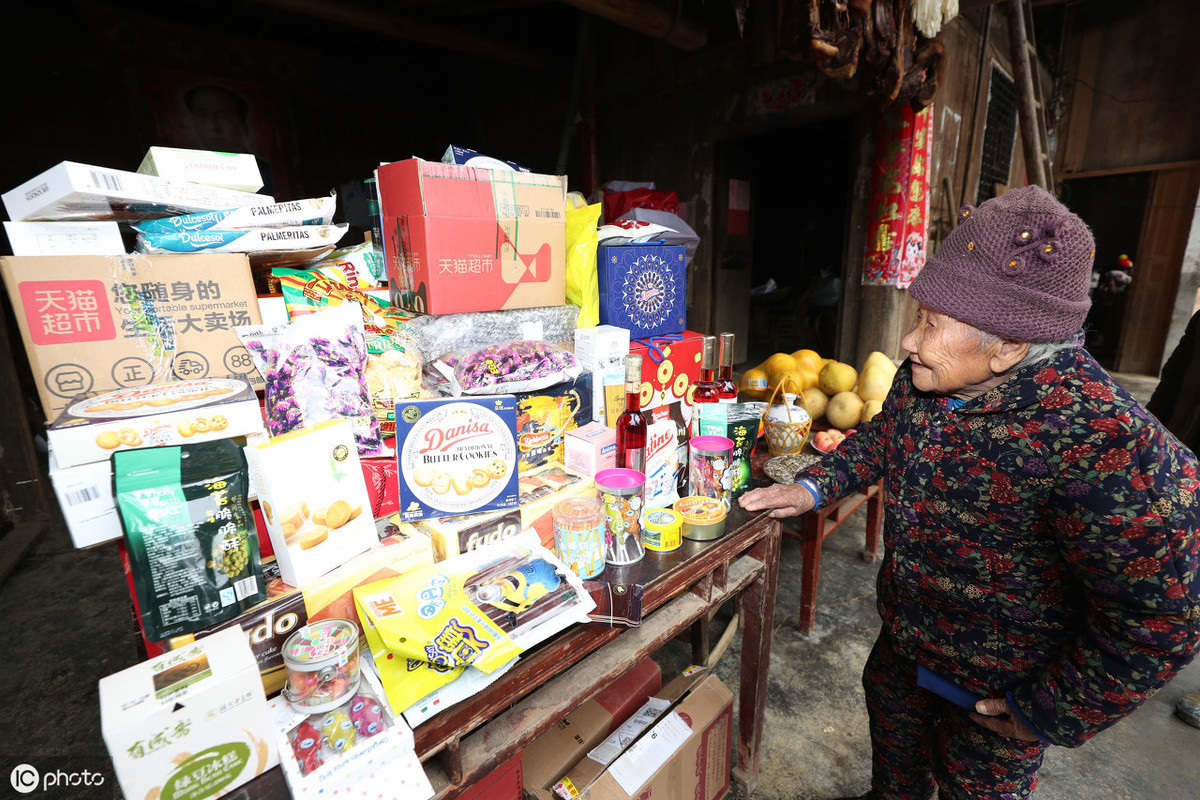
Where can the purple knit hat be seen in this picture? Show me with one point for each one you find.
(1019, 266)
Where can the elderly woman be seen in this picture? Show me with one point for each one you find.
(1040, 570)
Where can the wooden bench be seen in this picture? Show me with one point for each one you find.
(817, 525)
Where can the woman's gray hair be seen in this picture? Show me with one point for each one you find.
(1038, 351)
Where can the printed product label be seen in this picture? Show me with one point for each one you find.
(141, 401)
(581, 550)
(67, 312)
(662, 531)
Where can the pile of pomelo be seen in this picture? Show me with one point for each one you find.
(832, 390)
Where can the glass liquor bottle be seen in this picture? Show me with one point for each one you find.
(707, 389)
(727, 387)
(631, 425)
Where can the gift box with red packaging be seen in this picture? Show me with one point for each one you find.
(670, 366)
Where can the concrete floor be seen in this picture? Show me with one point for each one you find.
(68, 619)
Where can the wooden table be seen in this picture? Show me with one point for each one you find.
(817, 525)
(467, 741)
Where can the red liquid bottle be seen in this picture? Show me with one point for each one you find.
(707, 390)
(631, 425)
(727, 387)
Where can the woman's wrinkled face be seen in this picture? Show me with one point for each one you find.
(947, 358)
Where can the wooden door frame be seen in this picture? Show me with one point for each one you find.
(1166, 226)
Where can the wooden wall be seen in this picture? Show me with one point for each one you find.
(1131, 87)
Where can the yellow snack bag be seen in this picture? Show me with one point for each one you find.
(481, 609)
(404, 680)
(583, 288)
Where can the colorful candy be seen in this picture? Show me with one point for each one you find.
(338, 730)
(518, 361)
(306, 744)
(367, 715)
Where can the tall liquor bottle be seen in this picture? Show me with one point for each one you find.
(707, 389)
(631, 425)
(727, 386)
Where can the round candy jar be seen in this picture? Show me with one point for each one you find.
(703, 517)
(622, 491)
(322, 665)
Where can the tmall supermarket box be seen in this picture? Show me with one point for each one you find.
(460, 238)
(102, 323)
(643, 287)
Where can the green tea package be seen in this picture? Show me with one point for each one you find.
(190, 535)
(736, 421)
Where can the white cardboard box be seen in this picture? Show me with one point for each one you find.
(300, 477)
(382, 765)
(74, 191)
(601, 350)
(65, 238)
(238, 171)
(85, 496)
(93, 427)
(191, 723)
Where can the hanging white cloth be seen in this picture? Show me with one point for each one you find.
(930, 15)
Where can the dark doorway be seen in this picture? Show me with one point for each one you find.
(800, 182)
(1113, 206)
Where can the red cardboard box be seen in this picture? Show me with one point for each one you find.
(502, 783)
(670, 366)
(460, 238)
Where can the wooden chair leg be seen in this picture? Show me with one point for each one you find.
(810, 551)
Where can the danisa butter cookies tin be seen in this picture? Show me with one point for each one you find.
(456, 455)
(180, 412)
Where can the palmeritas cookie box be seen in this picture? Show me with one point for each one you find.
(93, 427)
(456, 456)
(314, 500)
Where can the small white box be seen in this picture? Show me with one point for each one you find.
(314, 499)
(192, 722)
(85, 496)
(601, 345)
(380, 765)
(590, 449)
(238, 171)
(65, 238)
(74, 191)
(601, 350)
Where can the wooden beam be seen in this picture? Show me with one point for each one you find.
(1102, 173)
(368, 19)
(648, 19)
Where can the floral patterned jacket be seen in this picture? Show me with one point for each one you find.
(1042, 540)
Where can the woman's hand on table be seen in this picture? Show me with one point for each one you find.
(783, 500)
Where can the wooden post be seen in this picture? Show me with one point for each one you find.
(1026, 99)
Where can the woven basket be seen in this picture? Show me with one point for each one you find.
(786, 438)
